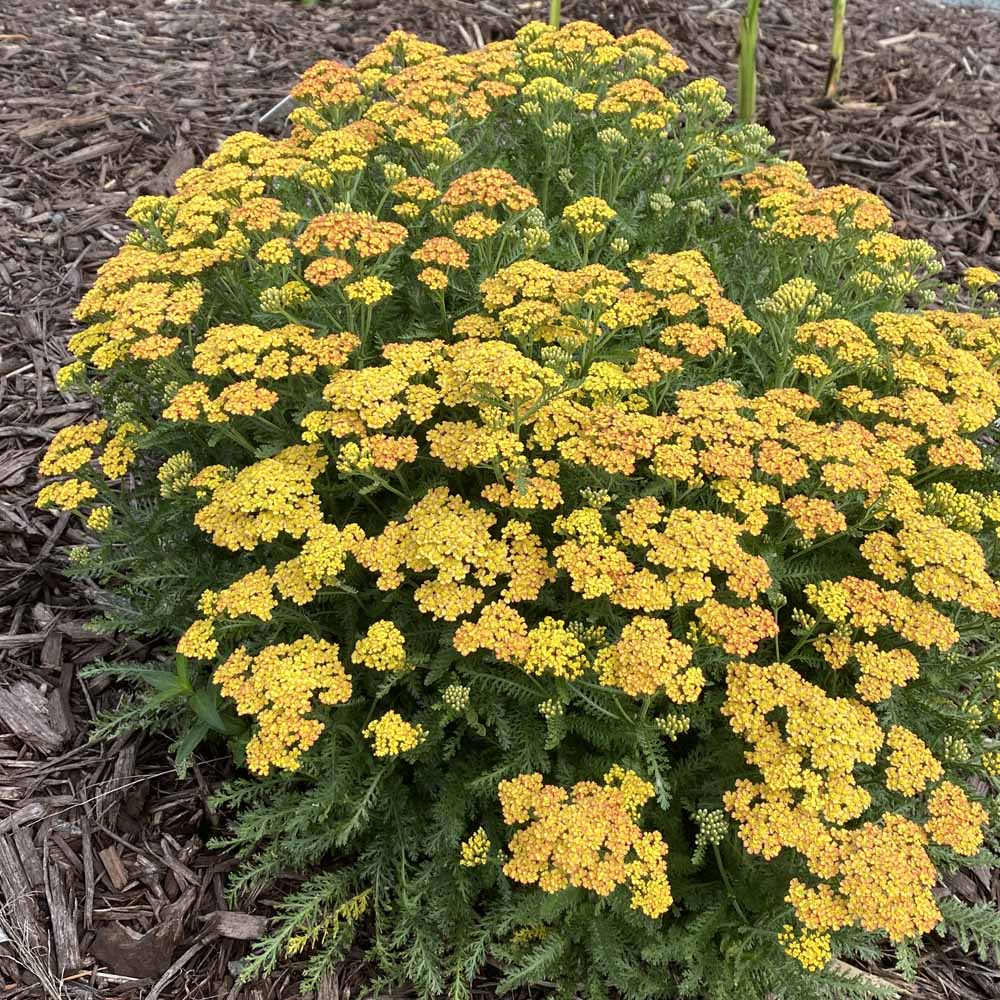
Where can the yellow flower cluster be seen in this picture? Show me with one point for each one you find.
(392, 735)
(647, 659)
(797, 296)
(955, 821)
(382, 647)
(252, 352)
(72, 448)
(864, 606)
(589, 216)
(261, 501)
(587, 837)
(980, 277)
(879, 874)
(444, 533)
(69, 494)
(475, 851)
(351, 232)
(791, 208)
(808, 768)
(70, 375)
(552, 648)
(99, 519)
(810, 949)
(814, 516)
(278, 686)
(119, 451)
(368, 290)
(911, 764)
(943, 562)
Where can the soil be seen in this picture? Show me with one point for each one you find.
(104, 871)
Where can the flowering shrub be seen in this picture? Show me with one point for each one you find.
(580, 525)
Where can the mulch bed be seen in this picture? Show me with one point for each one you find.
(103, 866)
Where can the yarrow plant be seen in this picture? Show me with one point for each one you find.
(581, 527)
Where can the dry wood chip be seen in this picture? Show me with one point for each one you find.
(94, 152)
(14, 466)
(31, 860)
(19, 641)
(24, 712)
(130, 953)
(237, 926)
(21, 911)
(35, 130)
(114, 866)
(89, 886)
(111, 792)
(32, 812)
(59, 719)
(61, 896)
(180, 160)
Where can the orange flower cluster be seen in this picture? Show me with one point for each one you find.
(791, 208)
(878, 875)
(588, 837)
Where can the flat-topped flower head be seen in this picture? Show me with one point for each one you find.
(589, 216)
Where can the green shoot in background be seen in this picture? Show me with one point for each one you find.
(747, 79)
(836, 49)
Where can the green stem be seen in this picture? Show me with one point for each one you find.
(622, 714)
(793, 652)
(555, 12)
(729, 885)
(503, 247)
(747, 78)
(376, 478)
(836, 49)
(234, 435)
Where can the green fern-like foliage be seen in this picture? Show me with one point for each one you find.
(975, 927)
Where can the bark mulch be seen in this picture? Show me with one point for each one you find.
(106, 886)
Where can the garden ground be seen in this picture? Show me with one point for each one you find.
(103, 864)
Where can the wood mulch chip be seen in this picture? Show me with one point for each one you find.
(106, 886)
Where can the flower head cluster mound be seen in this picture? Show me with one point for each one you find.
(588, 517)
